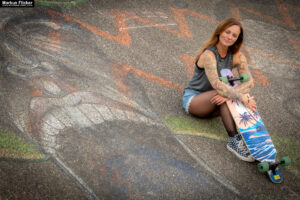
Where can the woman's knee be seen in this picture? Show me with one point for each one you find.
(201, 108)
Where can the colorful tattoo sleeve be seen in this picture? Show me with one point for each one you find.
(242, 67)
(208, 62)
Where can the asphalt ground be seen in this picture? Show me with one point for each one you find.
(91, 93)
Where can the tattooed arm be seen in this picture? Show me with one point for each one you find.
(240, 62)
(208, 62)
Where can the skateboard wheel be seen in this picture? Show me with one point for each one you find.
(244, 77)
(263, 167)
(224, 79)
(285, 161)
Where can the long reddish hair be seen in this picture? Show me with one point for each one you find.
(214, 38)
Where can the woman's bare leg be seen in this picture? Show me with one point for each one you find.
(202, 107)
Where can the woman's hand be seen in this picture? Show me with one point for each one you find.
(249, 102)
(218, 100)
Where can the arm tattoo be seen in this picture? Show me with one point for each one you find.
(210, 65)
(212, 68)
(243, 68)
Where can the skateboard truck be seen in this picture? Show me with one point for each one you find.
(230, 79)
(264, 166)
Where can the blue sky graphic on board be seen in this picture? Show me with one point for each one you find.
(259, 142)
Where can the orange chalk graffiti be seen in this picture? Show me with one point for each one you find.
(286, 18)
(122, 36)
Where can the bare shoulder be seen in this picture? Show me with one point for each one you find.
(207, 59)
(238, 58)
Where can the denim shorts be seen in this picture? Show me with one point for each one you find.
(187, 98)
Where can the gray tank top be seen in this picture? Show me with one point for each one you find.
(200, 81)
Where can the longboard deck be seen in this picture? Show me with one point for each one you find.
(275, 177)
(251, 127)
(253, 131)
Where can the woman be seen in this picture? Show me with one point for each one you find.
(205, 95)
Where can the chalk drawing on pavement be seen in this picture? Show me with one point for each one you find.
(51, 63)
(49, 87)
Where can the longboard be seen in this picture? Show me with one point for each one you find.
(254, 133)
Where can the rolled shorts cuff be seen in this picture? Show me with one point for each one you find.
(187, 98)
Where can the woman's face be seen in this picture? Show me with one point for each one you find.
(230, 35)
